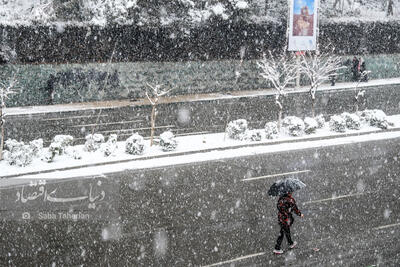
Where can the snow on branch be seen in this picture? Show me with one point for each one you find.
(155, 94)
(7, 88)
(279, 71)
(318, 69)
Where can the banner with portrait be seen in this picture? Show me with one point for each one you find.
(303, 25)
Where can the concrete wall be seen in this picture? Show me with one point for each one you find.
(64, 83)
(205, 115)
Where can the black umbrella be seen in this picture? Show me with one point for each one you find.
(282, 187)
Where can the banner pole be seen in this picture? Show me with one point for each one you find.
(298, 70)
(317, 30)
(287, 25)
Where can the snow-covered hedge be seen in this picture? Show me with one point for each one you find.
(337, 124)
(237, 129)
(73, 152)
(254, 135)
(93, 142)
(353, 122)
(293, 125)
(110, 146)
(321, 121)
(59, 147)
(376, 117)
(271, 130)
(168, 141)
(310, 125)
(134, 144)
(37, 146)
(18, 153)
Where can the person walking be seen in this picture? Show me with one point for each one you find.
(355, 69)
(286, 204)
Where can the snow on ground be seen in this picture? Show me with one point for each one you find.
(194, 148)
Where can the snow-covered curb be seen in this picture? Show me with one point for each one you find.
(190, 147)
(229, 152)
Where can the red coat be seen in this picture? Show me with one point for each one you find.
(287, 204)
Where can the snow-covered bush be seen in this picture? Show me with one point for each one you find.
(18, 153)
(62, 141)
(36, 146)
(73, 152)
(320, 120)
(110, 146)
(294, 125)
(103, 11)
(376, 117)
(352, 121)
(237, 129)
(310, 124)
(58, 147)
(271, 130)
(134, 144)
(93, 142)
(254, 135)
(168, 141)
(337, 124)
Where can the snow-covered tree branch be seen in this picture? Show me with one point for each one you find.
(154, 96)
(360, 93)
(318, 69)
(280, 72)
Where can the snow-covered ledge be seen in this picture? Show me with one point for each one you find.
(194, 148)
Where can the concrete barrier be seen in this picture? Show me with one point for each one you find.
(207, 114)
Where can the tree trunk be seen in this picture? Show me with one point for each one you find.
(153, 124)
(313, 107)
(356, 102)
(279, 120)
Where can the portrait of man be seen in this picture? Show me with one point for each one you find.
(303, 17)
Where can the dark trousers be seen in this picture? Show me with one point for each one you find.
(285, 231)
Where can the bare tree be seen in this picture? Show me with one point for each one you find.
(318, 70)
(7, 87)
(153, 98)
(280, 72)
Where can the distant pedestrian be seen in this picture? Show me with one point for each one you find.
(355, 69)
(363, 71)
(286, 204)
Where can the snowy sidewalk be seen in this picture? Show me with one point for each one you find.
(195, 148)
(186, 98)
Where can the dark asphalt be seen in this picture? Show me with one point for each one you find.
(217, 213)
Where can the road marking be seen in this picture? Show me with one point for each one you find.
(386, 226)
(333, 198)
(237, 259)
(274, 175)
